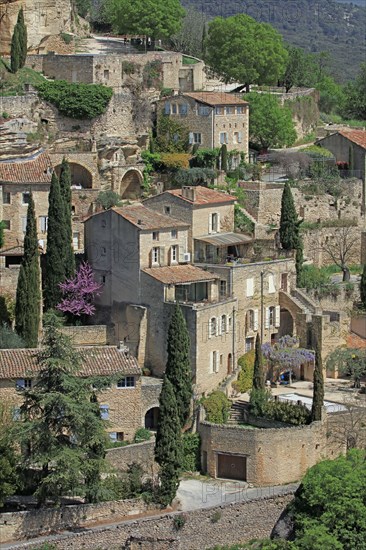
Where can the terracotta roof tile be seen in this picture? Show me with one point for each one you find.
(98, 361)
(144, 218)
(176, 274)
(204, 196)
(356, 136)
(34, 169)
(216, 98)
(355, 341)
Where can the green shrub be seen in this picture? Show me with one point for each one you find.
(194, 176)
(179, 521)
(217, 407)
(128, 67)
(241, 221)
(76, 100)
(67, 38)
(107, 199)
(142, 434)
(245, 378)
(290, 413)
(315, 151)
(191, 452)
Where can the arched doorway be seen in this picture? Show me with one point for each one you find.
(80, 176)
(131, 185)
(151, 418)
(286, 324)
(229, 363)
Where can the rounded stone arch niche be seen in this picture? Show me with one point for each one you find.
(287, 325)
(81, 177)
(151, 417)
(131, 184)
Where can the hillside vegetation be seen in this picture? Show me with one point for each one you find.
(315, 25)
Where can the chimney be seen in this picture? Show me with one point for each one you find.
(189, 193)
(139, 222)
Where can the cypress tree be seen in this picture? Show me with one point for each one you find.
(203, 43)
(22, 38)
(289, 225)
(65, 189)
(168, 445)
(28, 295)
(318, 387)
(258, 372)
(56, 238)
(15, 50)
(363, 287)
(178, 368)
(224, 157)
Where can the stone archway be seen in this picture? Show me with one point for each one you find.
(81, 177)
(131, 184)
(287, 324)
(151, 418)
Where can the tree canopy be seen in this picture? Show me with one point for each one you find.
(289, 224)
(242, 50)
(270, 124)
(355, 104)
(153, 18)
(348, 362)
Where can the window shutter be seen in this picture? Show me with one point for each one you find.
(210, 223)
(20, 384)
(209, 329)
(211, 363)
(255, 323)
(218, 222)
(240, 137)
(167, 108)
(217, 361)
(217, 326)
(104, 412)
(271, 284)
(222, 138)
(191, 138)
(266, 321)
(113, 436)
(277, 316)
(250, 287)
(226, 138)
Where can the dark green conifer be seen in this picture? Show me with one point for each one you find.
(56, 237)
(168, 445)
(318, 387)
(65, 189)
(178, 367)
(258, 372)
(22, 38)
(363, 287)
(289, 224)
(28, 296)
(224, 157)
(15, 50)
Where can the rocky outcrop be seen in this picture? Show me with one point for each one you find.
(42, 17)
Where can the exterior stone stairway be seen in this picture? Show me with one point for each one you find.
(236, 414)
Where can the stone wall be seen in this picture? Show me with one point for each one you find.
(315, 241)
(234, 523)
(8, 279)
(348, 294)
(87, 335)
(142, 453)
(358, 325)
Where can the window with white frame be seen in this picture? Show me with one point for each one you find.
(25, 198)
(271, 284)
(230, 110)
(126, 382)
(250, 319)
(240, 110)
(43, 223)
(174, 253)
(76, 240)
(214, 222)
(212, 326)
(223, 288)
(155, 255)
(224, 138)
(104, 412)
(271, 315)
(219, 111)
(250, 287)
(249, 344)
(237, 137)
(214, 362)
(224, 325)
(197, 137)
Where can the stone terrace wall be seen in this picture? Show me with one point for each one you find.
(227, 524)
(87, 335)
(342, 302)
(142, 453)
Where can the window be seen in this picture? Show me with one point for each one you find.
(224, 326)
(174, 109)
(167, 108)
(120, 436)
(214, 362)
(76, 241)
(73, 210)
(212, 327)
(219, 110)
(223, 138)
(221, 361)
(43, 222)
(249, 344)
(214, 222)
(250, 319)
(126, 382)
(155, 235)
(25, 198)
(271, 284)
(240, 110)
(104, 412)
(197, 138)
(106, 74)
(113, 436)
(174, 234)
(237, 138)
(174, 252)
(103, 251)
(271, 315)
(203, 110)
(103, 222)
(167, 210)
(103, 279)
(24, 224)
(6, 197)
(230, 110)
(250, 287)
(6, 224)
(23, 383)
(155, 255)
(223, 287)
(183, 109)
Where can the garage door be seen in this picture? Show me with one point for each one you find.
(232, 467)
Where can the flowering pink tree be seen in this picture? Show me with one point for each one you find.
(80, 292)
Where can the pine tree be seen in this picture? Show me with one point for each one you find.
(22, 38)
(178, 368)
(28, 295)
(56, 238)
(363, 287)
(224, 157)
(60, 423)
(65, 188)
(15, 50)
(299, 261)
(258, 372)
(168, 445)
(289, 224)
(318, 385)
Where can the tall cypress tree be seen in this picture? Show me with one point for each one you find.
(168, 445)
(224, 157)
(56, 237)
(65, 189)
(258, 372)
(28, 296)
(318, 387)
(363, 287)
(22, 38)
(178, 368)
(15, 50)
(289, 224)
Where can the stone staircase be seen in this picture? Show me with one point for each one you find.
(236, 414)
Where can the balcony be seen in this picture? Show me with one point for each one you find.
(196, 295)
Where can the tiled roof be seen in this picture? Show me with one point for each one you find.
(216, 98)
(34, 169)
(144, 218)
(355, 341)
(204, 196)
(356, 136)
(97, 361)
(176, 274)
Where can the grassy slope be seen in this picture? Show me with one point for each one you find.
(13, 84)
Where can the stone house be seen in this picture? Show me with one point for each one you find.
(212, 118)
(120, 404)
(141, 256)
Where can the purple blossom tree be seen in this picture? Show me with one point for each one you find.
(80, 292)
(285, 354)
